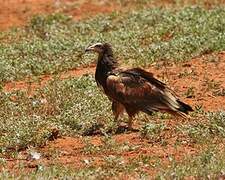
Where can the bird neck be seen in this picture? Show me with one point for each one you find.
(106, 63)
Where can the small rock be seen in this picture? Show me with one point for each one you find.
(86, 161)
(34, 155)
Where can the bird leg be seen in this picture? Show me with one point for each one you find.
(130, 122)
(117, 109)
(131, 111)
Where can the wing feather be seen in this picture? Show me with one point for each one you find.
(130, 89)
(141, 90)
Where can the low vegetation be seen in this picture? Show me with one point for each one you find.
(74, 107)
(207, 165)
(54, 43)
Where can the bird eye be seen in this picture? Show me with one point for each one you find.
(98, 46)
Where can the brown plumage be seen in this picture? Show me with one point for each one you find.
(133, 90)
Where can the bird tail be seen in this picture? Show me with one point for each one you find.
(176, 107)
(185, 108)
(168, 102)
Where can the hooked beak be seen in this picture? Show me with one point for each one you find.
(88, 49)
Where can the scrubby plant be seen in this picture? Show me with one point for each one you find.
(54, 43)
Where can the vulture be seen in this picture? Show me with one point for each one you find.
(133, 90)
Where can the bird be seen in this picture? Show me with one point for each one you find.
(133, 90)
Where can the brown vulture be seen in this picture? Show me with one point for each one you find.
(133, 90)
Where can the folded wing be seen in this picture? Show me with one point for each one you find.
(139, 89)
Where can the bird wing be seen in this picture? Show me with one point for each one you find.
(138, 88)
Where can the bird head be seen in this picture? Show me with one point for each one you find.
(105, 53)
(98, 47)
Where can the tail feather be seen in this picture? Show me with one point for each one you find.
(185, 108)
(175, 104)
(168, 102)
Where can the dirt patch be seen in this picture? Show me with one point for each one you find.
(30, 87)
(71, 152)
(14, 13)
(17, 12)
(199, 82)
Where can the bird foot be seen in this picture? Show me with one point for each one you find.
(123, 129)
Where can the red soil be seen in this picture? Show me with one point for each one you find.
(199, 74)
(70, 152)
(204, 77)
(15, 13)
(27, 85)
